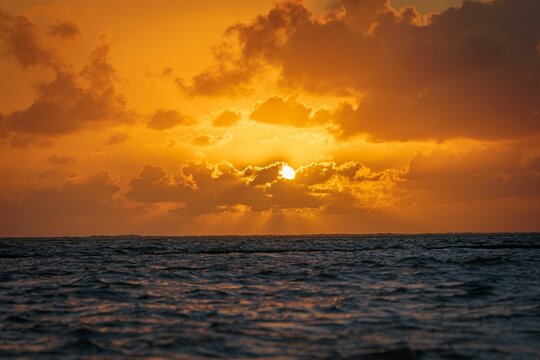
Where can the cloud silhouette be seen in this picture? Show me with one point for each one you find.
(210, 140)
(471, 71)
(209, 188)
(117, 138)
(71, 101)
(168, 119)
(23, 40)
(64, 29)
(74, 205)
(290, 112)
(227, 118)
(493, 172)
(61, 160)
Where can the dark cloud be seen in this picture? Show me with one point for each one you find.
(24, 141)
(168, 119)
(361, 15)
(482, 174)
(117, 138)
(260, 42)
(50, 173)
(279, 111)
(210, 140)
(226, 119)
(534, 164)
(74, 206)
(22, 39)
(71, 101)
(202, 140)
(167, 71)
(61, 160)
(209, 188)
(322, 172)
(472, 71)
(64, 29)
(220, 81)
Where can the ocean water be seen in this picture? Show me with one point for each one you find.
(446, 296)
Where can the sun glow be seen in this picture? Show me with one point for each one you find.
(287, 172)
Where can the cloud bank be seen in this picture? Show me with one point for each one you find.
(472, 71)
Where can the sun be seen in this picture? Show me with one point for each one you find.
(287, 172)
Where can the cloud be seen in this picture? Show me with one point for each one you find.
(534, 164)
(168, 119)
(74, 206)
(49, 173)
(204, 189)
(493, 172)
(212, 188)
(24, 141)
(167, 71)
(227, 118)
(218, 82)
(259, 42)
(61, 160)
(72, 100)
(290, 112)
(211, 140)
(23, 40)
(471, 71)
(361, 15)
(322, 172)
(117, 138)
(202, 140)
(443, 190)
(64, 29)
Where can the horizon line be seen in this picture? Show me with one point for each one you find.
(2, 237)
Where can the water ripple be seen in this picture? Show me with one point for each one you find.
(440, 296)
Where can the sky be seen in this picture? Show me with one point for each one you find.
(178, 117)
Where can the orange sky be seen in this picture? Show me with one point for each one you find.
(176, 117)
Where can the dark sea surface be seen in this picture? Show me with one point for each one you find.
(445, 296)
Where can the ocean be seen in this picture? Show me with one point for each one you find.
(436, 296)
